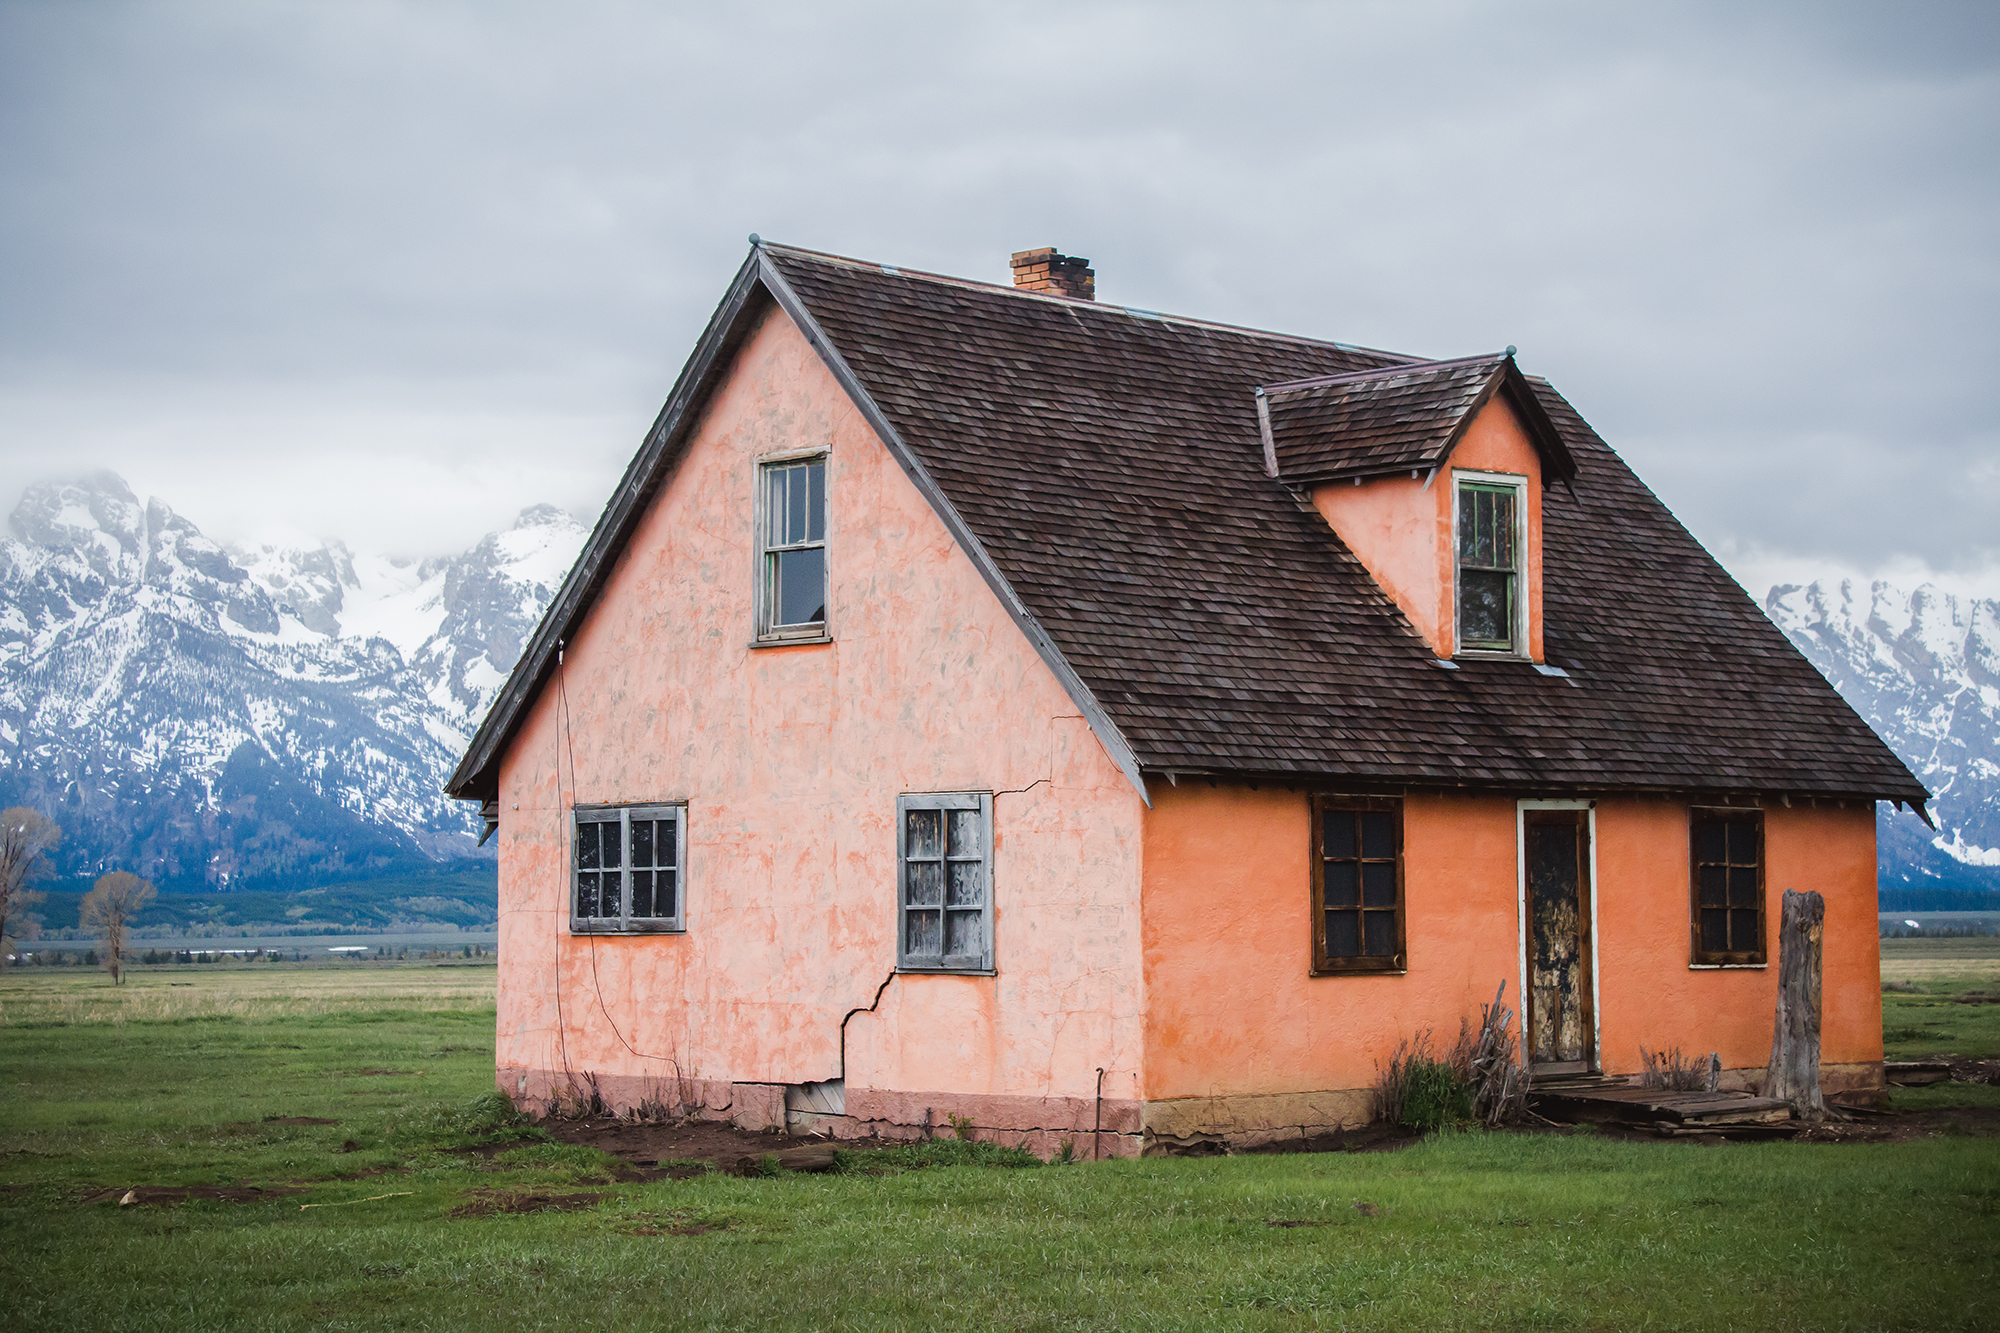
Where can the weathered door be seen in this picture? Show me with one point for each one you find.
(1557, 847)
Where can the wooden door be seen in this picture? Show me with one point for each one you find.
(1557, 848)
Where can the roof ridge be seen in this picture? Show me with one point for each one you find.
(1099, 307)
(1418, 367)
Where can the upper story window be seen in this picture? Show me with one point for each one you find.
(1491, 615)
(626, 864)
(945, 898)
(791, 539)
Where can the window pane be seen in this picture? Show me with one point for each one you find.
(962, 833)
(642, 842)
(1339, 832)
(798, 496)
(586, 846)
(926, 884)
(1485, 607)
(1343, 934)
(1503, 527)
(611, 841)
(1714, 930)
(923, 934)
(1714, 882)
(922, 833)
(586, 894)
(965, 933)
(1378, 834)
(1743, 842)
(1709, 840)
(777, 508)
(816, 502)
(965, 885)
(1381, 934)
(642, 893)
(1742, 930)
(1743, 886)
(1343, 884)
(1468, 525)
(800, 594)
(1378, 884)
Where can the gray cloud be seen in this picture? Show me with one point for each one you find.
(392, 270)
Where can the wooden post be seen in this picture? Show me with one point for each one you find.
(1794, 1073)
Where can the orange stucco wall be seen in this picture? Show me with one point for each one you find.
(791, 760)
(1233, 1009)
(1402, 530)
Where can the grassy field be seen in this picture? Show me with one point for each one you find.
(214, 1085)
(1968, 961)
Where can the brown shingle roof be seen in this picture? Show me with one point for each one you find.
(1104, 468)
(1403, 417)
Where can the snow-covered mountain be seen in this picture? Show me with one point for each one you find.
(220, 718)
(1923, 668)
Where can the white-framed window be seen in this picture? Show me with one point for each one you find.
(628, 869)
(944, 880)
(791, 548)
(1491, 562)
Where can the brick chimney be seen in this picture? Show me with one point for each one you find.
(1044, 270)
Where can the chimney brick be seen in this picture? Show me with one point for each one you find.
(1046, 270)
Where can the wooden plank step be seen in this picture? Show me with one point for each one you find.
(1915, 1073)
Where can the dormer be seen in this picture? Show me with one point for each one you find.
(1432, 473)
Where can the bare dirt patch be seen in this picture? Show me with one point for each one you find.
(688, 1148)
(493, 1203)
(1978, 1122)
(176, 1194)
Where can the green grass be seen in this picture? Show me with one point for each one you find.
(1932, 1022)
(1465, 1231)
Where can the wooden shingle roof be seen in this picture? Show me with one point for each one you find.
(1408, 417)
(1104, 469)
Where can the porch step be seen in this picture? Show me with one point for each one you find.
(1604, 1099)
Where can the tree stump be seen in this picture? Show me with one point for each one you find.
(1794, 1073)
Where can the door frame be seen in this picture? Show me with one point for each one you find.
(1521, 809)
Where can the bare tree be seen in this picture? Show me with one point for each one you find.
(113, 901)
(25, 837)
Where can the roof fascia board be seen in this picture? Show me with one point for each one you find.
(1527, 405)
(641, 481)
(1113, 740)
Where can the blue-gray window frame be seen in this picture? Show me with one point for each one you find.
(622, 816)
(907, 961)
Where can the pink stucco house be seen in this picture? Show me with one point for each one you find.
(984, 702)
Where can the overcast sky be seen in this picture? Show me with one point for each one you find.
(391, 272)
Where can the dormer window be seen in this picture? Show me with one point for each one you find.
(1490, 545)
(1433, 474)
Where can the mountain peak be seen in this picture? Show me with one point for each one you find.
(545, 516)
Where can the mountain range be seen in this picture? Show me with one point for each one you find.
(266, 718)
(222, 719)
(1923, 667)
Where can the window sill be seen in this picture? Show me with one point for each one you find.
(1401, 971)
(1488, 655)
(587, 929)
(1728, 967)
(947, 971)
(792, 641)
